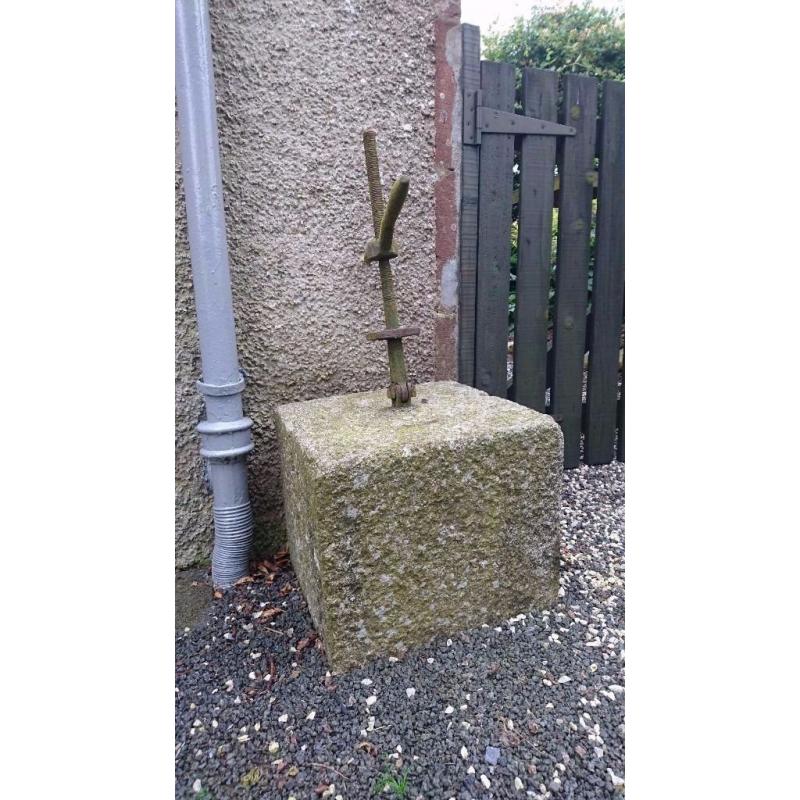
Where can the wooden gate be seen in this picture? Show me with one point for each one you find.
(547, 330)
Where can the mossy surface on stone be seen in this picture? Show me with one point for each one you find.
(407, 523)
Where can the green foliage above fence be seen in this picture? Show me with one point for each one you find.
(579, 38)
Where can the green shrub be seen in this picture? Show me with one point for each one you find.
(578, 38)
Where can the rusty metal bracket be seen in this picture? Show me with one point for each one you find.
(490, 120)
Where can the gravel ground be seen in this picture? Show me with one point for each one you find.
(531, 708)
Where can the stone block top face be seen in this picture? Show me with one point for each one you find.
(336, 430)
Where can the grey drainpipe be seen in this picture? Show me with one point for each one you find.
(225, 432)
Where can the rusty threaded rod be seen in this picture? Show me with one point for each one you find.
(397, 362)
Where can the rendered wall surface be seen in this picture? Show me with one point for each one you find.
(296, 84)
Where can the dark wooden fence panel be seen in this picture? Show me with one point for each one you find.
(485, 249)
(608, 282)
(494, 242)
(537, 162)
(621, 416)
(470, 157)
(575, 167)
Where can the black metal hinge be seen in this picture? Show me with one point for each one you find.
(480, 119)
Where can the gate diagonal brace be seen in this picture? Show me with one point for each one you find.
(490, 120)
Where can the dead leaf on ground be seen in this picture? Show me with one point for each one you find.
(509, 738)
(266, 567)
(306, 642)
(266, 614)
(250, 778)
(217, 594)
(245, 579)
(368, 747)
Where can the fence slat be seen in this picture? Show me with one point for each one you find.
(494, 235)
(575, 165)
(608, 283)
(537, 162)
(468, 254)
(621, 415)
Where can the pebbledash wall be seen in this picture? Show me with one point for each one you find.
(296, 84)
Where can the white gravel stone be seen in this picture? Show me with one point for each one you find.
(410, 692)
(371, 700)
(464, 753)
(449, 710)
(366, 682)
(518, 784)
(486, 782)
(616, 780)
(197, 785)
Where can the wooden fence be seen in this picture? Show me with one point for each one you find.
(572, 367)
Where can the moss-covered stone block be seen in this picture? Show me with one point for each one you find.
(405, 523)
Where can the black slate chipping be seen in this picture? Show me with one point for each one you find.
(498, 675)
